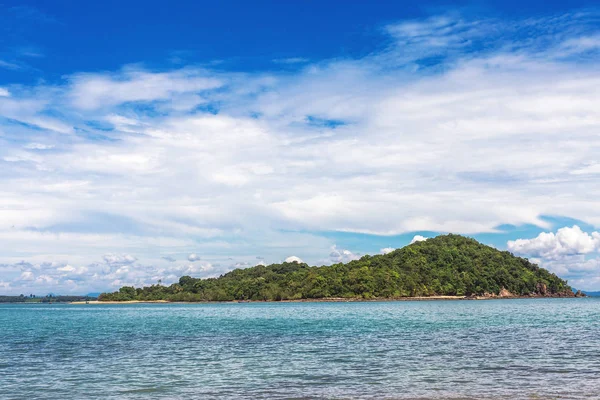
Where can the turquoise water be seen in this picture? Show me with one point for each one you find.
(497, 349)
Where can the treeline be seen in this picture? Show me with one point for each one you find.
(44, 299)
(444, 265)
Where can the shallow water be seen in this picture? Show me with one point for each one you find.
(496, 349)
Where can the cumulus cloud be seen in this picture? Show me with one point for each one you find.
(195, 269)
(193, 257)
(566, 241)
(423, 134)
(45, 280)
(27, 276)
(70, 278)
(386, 250)
(4, 92)
(338, 255)
(116, 260)
(570, 253)
(71, 270)
(292, 259)
(573, 266)
(242, 264)
(418, 238)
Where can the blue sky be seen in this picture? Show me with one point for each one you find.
(54, 38)
(146, 140)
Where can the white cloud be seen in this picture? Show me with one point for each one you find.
(566, 241)
(45, 280)
(570, 253)
(386, 250)
(70, 270)
(418, 238)
(580, 44)
(38, 146)
(195, 269)
(437, 34)
(292, 259)
(29, 109)
(401, 146)
(27, 276)
(92, 91)
(115, 260)
(576, 265)
(4, 92)
(66, 278)
(338, 255)
(244, 264)
(193, 257)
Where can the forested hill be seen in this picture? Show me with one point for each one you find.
(444, 265)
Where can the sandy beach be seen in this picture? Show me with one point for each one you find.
(324, 300)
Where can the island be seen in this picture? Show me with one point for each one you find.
(446, 266)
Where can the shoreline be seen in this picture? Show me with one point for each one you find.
(326, 300)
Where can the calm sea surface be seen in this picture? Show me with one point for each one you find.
(497, 349)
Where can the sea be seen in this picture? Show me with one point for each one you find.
(492, 349)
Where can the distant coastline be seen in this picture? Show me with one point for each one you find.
(49, 299)
(332, 300)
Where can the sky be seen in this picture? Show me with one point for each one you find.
(143, 141)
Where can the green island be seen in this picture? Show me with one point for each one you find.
(447, 265)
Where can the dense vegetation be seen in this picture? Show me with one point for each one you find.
(445, 265)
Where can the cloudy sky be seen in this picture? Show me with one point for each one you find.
(196, 138)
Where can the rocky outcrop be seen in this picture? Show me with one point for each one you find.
(503, 294)
(566, 293)
(542, 289)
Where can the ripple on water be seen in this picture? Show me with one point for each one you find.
(512, 349)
